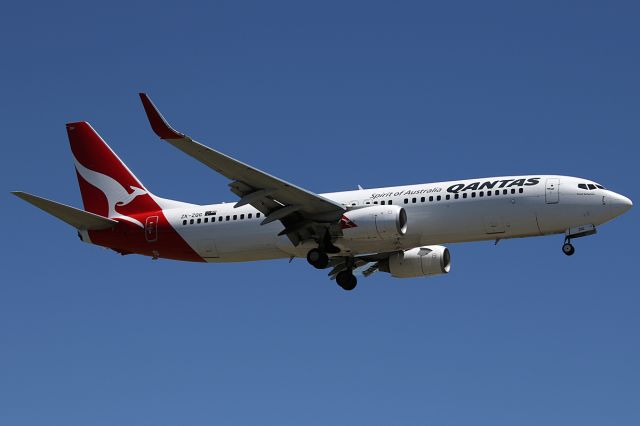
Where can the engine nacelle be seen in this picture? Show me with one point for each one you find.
(418, 262)
(374, 222)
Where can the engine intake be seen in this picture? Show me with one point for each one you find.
(418, 262)
(374, 222)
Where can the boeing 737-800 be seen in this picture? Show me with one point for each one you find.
(398, 230)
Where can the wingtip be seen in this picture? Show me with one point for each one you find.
(157, 121)
(22, 195)
(71, 126)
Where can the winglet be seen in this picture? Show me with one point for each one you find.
(157, 121)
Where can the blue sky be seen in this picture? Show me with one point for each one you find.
(327, 95)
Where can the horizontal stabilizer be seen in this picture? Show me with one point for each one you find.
(77, 218)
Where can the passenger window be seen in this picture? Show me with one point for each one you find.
(431, 198)
(249, 215)
(497, 192)
(456, 196)
(464, 195)
(482, 193)
(582, 186)
(184, 222)
(406, 201)
(235, 217)
(241, 216)
(219, 218)
(439, 198)
(413, 200)
(488, 193)
(504, 192)
(422, 199)
(448, 197)
(227, 218)
(191, 222)
(521, 190)
(206, 220)
(513, 190)
(390, 202)
(473, 195)
(375, 202)
(382, 202)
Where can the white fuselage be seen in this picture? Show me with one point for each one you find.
(437, 213)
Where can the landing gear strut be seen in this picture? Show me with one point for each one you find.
(577, 232)
(346, 280)
(318, 259)
(567, 247)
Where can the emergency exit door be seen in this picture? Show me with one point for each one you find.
(552, 191)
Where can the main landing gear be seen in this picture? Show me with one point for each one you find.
(318, 259)
(345, 278)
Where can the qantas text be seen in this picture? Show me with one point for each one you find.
(490, 184)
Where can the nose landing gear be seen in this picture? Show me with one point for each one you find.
(567, 247)
(580, 231)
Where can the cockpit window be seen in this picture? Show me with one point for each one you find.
(590, 186)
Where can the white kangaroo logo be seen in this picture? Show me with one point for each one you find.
(115, 193)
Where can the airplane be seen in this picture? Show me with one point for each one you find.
(397, 230)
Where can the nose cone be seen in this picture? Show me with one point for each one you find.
(618, 204)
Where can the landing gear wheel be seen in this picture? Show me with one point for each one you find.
(346, 280)
(568, 249)
(318, 259)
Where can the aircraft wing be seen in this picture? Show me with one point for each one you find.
(277, 199)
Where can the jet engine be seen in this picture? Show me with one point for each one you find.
(374, 222)
(418, 262)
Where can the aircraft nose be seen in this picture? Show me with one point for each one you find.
(618, 204)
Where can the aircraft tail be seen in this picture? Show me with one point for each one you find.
(107, 186)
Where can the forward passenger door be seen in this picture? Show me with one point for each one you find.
(552, 190)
